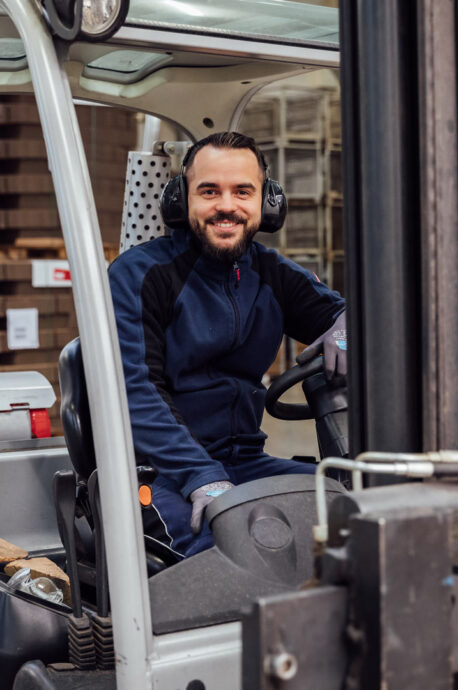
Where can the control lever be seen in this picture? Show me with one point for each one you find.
(146, 476)
(81, 649)
(101, 623)
(64, 492)
(100, 556)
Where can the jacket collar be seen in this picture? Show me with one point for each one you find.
(185, 240)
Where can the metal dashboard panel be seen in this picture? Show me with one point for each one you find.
(27, 515)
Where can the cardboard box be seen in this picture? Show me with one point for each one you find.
(46, 302)
(22, 148)
(43, 219)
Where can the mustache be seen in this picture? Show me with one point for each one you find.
(230, 217)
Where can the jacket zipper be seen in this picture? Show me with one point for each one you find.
(234, 304)
(236, 270)
(227, 288)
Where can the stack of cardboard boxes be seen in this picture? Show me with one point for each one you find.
(37, 316)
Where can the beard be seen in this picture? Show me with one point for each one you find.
(226, 254)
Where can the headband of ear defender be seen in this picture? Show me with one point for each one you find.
(174, 204)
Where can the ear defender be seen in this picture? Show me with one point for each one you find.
(174, 203)
(274, 206)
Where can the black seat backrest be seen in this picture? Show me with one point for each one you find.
(76, 419)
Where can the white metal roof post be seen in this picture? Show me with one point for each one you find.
(100, 347)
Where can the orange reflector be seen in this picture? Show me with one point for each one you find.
(145, 495)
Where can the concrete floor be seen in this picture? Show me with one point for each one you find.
(287, 438)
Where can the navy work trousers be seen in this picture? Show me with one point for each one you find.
(174, 513)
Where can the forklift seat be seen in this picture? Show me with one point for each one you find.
(76, 422)
(75, 415)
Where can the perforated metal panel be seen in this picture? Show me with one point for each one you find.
(146, 177)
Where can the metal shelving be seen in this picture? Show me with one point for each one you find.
(299, 132)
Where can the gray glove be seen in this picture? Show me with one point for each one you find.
(334, 345)
(201, 497)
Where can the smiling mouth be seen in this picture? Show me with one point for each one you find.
(224, 224)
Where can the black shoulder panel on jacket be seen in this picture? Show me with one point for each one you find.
(162, 285)
(160, 290)
(309, 306)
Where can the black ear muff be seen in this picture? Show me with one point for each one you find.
(174, 203)
(274, 206)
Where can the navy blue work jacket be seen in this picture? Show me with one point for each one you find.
(197, 336)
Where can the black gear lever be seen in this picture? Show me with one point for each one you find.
(100, 556)
(64, 492)
(81, 648)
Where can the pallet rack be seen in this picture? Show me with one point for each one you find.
(298, 130)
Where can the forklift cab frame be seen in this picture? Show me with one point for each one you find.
(216, 73)
(399, 80)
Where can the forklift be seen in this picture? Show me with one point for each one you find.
(366, 599)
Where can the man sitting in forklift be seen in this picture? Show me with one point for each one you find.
(200, 316)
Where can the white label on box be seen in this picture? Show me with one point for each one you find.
(22, 329)
(50, 273)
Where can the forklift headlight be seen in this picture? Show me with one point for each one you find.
(102, 18)
(93, 20)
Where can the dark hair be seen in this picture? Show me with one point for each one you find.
(224, 140)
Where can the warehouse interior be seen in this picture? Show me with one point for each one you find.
(374, 528)
(297, 124)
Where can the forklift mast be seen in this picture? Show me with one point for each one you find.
(399, 115)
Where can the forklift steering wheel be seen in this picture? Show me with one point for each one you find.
(286, 381)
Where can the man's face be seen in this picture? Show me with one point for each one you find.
(224, 200)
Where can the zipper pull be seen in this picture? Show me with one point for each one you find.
(237, 274)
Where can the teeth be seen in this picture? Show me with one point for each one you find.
(225, 225)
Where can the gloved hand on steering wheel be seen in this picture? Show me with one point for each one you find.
(333, 344)
(201, 497)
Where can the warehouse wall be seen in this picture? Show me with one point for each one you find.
(30, 230)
